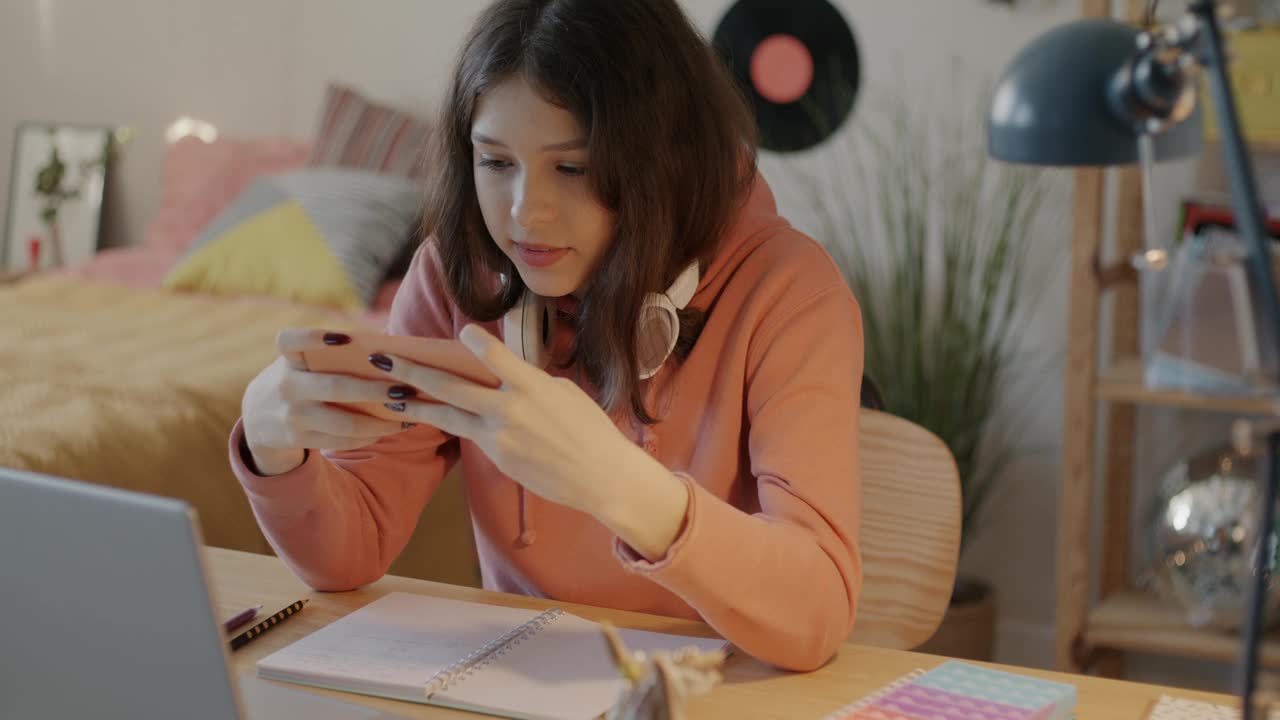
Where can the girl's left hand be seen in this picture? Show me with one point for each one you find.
(543, 432)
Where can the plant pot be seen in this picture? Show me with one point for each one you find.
(968, 628)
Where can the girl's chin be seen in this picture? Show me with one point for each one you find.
(547, 284)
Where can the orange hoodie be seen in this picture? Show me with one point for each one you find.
(760, 421)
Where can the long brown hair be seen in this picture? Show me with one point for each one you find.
(671, 152)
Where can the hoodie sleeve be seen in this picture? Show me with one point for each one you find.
(341, 518)
(782, 584)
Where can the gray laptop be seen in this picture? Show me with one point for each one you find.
(105, 613)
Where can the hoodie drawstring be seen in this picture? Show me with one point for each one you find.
(527, 534)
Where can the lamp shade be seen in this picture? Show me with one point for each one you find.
(1053, 105)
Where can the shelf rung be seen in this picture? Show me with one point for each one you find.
(1136, 621)
(1123, 383)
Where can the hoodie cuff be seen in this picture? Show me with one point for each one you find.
(636, 563)
(266, 491)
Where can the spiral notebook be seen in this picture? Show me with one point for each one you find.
(960, 691)
(1167, 707)
(515, 663)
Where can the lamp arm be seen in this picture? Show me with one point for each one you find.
(1249, 223)
(1244, 189)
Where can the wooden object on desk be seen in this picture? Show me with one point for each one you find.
(1121, 419)
(1075, 493)
(751, 690)
(910, 531)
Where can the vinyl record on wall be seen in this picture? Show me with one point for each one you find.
(797, 61)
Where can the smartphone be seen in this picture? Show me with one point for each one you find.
(352, 359)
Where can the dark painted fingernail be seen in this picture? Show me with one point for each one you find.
(380, 361)
(336, 339)
(394, 407)
(400, 392)
(407, 425)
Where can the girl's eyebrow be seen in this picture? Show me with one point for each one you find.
(577, 144)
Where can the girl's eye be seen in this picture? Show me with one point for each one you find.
(572, 170)
(494, 165)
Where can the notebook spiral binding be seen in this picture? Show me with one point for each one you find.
(458, 671)
(868, 700)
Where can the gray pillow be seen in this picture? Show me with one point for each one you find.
(320, 235)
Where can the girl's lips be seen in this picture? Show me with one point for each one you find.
(540, 256)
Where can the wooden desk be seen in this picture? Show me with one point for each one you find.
(751, 689)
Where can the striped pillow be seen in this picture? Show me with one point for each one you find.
(357, 133)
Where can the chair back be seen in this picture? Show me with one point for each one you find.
(910, 531)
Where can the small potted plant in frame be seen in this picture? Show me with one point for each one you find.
(53, 187)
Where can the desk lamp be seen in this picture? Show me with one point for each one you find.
(1098, 92)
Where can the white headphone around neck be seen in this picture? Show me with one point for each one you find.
(527, 329)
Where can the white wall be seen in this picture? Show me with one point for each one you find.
(258, 67)
(248, 67)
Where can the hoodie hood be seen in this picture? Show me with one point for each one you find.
(756, 221)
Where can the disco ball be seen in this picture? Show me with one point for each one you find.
(1203, 535)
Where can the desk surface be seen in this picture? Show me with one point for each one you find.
(751, 689)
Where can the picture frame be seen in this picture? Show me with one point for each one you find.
(57, 182)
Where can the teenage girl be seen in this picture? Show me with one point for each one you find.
(676, 426)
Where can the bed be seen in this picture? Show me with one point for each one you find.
(111, 377)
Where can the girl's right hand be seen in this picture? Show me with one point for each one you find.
(285, 410)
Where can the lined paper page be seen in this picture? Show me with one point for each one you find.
(393, 645)
(564, 672)
(1175, 708)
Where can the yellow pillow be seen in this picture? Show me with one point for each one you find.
(322, 237)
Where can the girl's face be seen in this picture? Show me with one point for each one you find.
(530, 169)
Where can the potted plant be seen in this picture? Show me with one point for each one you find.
(948, 254)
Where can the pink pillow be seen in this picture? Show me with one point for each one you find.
(201, 179)
(135, 266)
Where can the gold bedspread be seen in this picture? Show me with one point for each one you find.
(139, 389)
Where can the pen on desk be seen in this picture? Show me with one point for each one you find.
(239, 641)
(241, 618)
